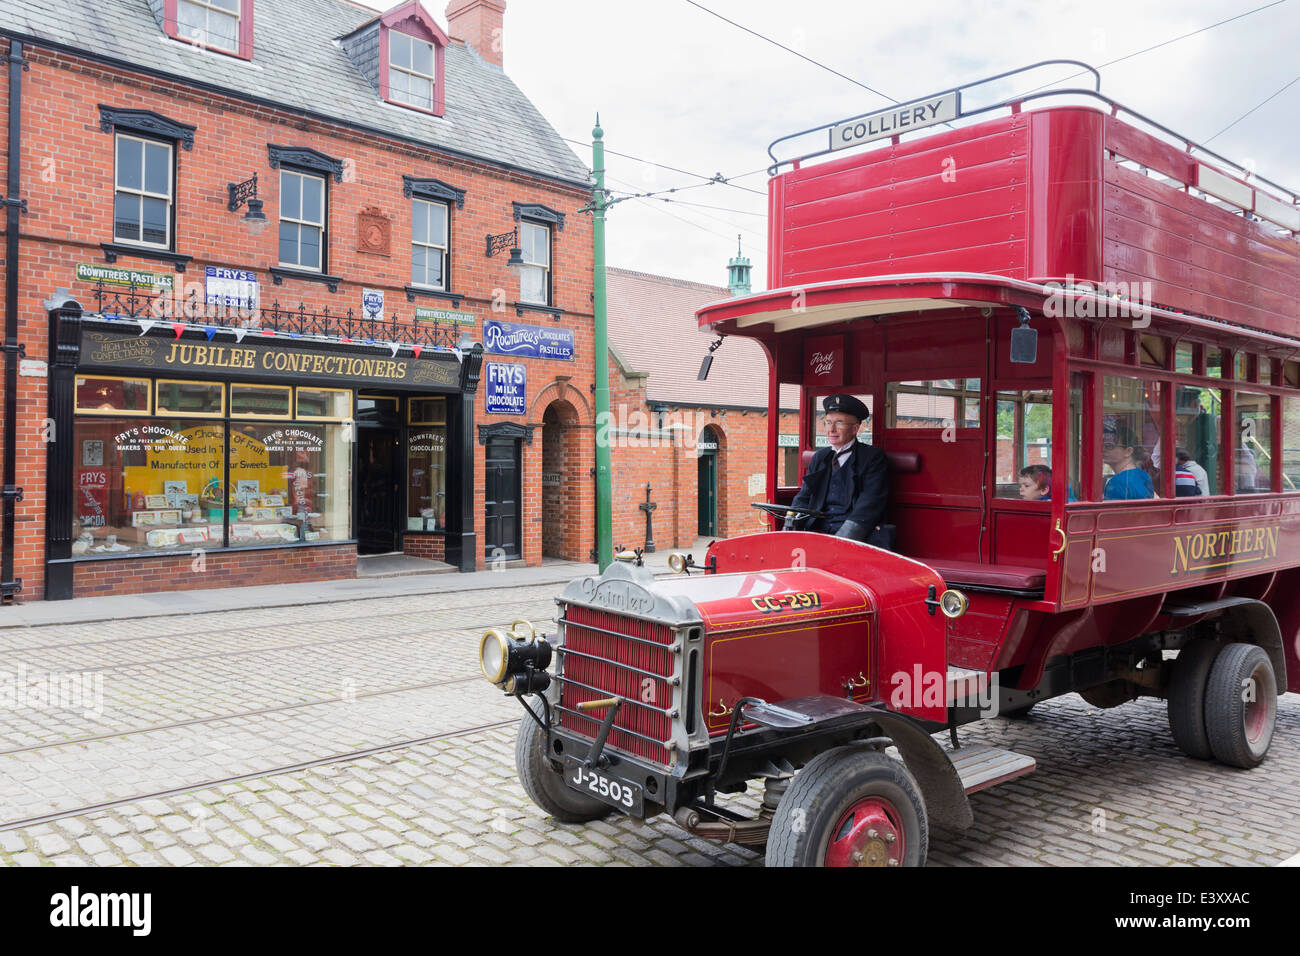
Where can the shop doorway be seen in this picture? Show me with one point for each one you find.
(501, 530)
(379, 490)
(707, 493)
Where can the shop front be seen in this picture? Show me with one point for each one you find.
(248, 457)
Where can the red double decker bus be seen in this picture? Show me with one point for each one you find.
(1079, 337)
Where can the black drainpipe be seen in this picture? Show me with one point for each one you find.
(9, 586)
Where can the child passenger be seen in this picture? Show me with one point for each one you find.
(1036, 483)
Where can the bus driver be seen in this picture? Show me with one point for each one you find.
(849, 481)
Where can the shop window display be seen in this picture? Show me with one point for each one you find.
(147, 484)
(426, 465)
(290, 482)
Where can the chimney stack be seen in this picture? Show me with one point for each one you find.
(479, 24)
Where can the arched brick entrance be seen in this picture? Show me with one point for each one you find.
(563, 534)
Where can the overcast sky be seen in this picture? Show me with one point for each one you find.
(680, 87)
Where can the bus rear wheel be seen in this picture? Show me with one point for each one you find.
(1187, 697)
(1241, 705)
(850, 807)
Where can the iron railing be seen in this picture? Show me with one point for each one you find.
(142, 302)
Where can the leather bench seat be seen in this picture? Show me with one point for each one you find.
(1007, 577)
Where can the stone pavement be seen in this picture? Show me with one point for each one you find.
(360, 732)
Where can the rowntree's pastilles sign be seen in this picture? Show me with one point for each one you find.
(529, 341)
(257, 360)
(125, 277)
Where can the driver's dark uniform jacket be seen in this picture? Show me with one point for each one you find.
(856, 492)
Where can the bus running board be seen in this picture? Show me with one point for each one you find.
(981, 767)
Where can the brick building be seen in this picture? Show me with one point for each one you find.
(292, 280)
(699, 445)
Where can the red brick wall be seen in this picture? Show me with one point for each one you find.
(668, 460)
(68, 181)
(430, 546)
(230, 569)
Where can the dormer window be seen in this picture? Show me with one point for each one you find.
(411, 78)
(222, 25)
(401, 54)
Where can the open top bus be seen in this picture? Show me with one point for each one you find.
(1069, 286)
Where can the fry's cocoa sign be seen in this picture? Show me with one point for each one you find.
(824, 360)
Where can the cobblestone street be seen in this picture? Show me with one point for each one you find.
(361, 732)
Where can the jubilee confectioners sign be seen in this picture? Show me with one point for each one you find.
(258, 360)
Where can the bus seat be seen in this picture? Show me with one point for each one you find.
(1003, 577)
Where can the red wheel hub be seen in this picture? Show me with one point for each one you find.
(870, 833)
(1257, 711)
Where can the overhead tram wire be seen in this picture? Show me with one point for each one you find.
(718, 179)
(805, 58)
(1251, 110)
(1129, 56)
(642, 199)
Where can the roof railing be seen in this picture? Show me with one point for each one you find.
(1247, 177)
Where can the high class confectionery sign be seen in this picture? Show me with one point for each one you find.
(254, 359)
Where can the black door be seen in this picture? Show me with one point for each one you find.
(379, 490)
(501, 524)
(708, 494)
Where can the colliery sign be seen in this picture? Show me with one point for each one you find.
(897, 120)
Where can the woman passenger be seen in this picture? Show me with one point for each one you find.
(1125, 459)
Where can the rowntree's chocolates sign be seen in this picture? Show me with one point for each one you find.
(266, 360)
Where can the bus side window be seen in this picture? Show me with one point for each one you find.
(1130, 438)
(1290, 443)
(1197, 414)
(1253, 452)
(1024, 444)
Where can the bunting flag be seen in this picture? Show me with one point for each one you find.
(295, 335)
(393, 347)
(209, 331)
(111, 316)
(268, 331)
(460, 356)
(178, 328)
(345, 340)
(146, 325)
(417, 349)
(239, 334)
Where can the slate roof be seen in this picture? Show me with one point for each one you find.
(298, 63)
(653, 329)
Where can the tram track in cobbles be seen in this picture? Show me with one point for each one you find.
(254, 775)
(190, 633)
(271, 648)
(218, 718)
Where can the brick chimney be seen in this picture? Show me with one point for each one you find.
(478, 23)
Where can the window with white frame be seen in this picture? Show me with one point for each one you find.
(213, 23)
(142, 201)
(302, 220)
(410, 71)
(535, 276)
(429, 244)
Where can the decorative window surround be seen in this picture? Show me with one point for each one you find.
(303, 157)
(506, 430)
(539, 213)
(434, 189)
(113, 119)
